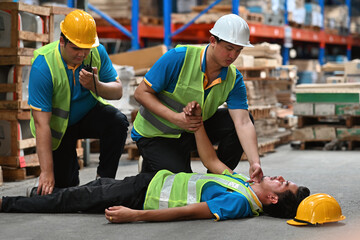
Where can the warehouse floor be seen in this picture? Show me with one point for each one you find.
(332, 172)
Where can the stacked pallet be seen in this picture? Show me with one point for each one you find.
(214, 14)
(328, 115)
(116, 9)
(261, 89)
(18, 158)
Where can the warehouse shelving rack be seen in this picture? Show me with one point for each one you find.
(199, 33)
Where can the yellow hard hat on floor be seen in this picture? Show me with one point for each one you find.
(80, 28)
(317, 209)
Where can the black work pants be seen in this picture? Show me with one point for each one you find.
(103, 122)
(93, 197)
(174, 153)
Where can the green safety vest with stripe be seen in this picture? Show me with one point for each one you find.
(61, 97)
(168, 190)
(189, 88)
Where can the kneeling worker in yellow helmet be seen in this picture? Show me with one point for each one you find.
(69, 80)
(164, 196)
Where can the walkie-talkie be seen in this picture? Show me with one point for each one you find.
(88, 68)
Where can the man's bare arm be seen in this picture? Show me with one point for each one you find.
(44, 151)
(120, 214)
(205, 148)
(247, 135)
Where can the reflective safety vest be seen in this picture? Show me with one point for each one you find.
(61, 97)
(168, 190)
(189, 88)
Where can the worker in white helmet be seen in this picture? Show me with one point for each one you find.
(164, 132)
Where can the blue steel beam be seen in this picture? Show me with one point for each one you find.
(133, 37)
(235, 6)
(167, 5)
(348, 49)
(71, 3)
(195, 18)
(322, 46)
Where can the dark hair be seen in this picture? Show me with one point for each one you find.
(287, 204)
(216, 38)
(65, 38)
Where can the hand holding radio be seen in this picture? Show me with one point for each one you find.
(91, 85)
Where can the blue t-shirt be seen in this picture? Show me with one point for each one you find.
(41, 86)
(164, 74)
(224, 203)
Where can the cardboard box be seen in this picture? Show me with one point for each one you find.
(139, 59)
(265, 62)
(244, 60)
(353, 67)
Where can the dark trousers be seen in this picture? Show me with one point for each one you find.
(93, 197)
(174, 154)
(103, 122)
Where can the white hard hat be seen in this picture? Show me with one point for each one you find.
(233, 29)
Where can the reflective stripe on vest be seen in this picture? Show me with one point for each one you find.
(146, 114)
(192, 192)
(178, 107)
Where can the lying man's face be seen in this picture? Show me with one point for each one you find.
(278, 184)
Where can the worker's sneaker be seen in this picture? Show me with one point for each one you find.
(31, 191)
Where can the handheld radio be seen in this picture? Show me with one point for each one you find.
(88, 68)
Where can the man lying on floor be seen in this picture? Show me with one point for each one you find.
(165, 196)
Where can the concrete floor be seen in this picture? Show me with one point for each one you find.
(332, 172)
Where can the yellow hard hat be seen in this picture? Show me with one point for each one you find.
(80, 28)
(317, 209)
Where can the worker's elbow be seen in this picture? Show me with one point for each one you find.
(137, 95)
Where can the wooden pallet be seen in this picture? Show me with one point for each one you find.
(348, 121)
(312, 28)
(132, 150)
(17, 174)
(335, 144)
(56, 10)
(254, 18)
(295, 24)
(256, 73)
(15, 99)
(17, 35)
(22, 149)
(150, 20)
(259, 112)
